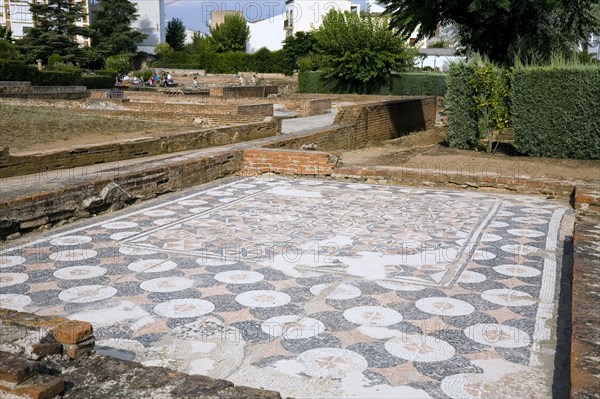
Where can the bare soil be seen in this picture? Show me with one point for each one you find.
(36, 128)
(427, 150)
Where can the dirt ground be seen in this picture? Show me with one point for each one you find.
(427, 150)
(33, 129)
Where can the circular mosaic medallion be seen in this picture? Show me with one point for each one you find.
(468, 386)
(121, 235)
(497, 335)
(507, 297)
(152, 265)
(470, 277)
(10, 261)
(159, 213)
(79, 272)
(73, 255)
(119, 225)
(530, 220)
(71, 240)
(263, 299)
(481, 255)
(517, 270)
(332, 362)
(391, 285)
(420, 348)
(162, 222)
(214, 262)
(488, 237)
(376, 316)
(14, 301)
(341, 292)
(10, 279)
(192, 202)
(536, 211)
(526, 233)
(167, 284)
(293, 327)
(135, 251)
(87, 293)
(239, 277)
(443, 306)
(521, 250)
(184, 308)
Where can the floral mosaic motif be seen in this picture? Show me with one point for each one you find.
(360, 290)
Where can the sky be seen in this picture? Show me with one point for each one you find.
(196, 13)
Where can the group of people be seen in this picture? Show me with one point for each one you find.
(164, 80)
(253, 80)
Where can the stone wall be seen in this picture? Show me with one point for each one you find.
(288, 162)
(362, 125)
(307, 107)
(109, 190)
(89, 155)
(14, 87)
(45, 356)
(243, 91)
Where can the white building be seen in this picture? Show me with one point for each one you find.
(15, 15)
(307, 15)
(151, 21)
(439, 59)
(266, 33)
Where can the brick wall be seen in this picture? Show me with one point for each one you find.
(243, 91)
(362, 125)
(110, 190)
(89, 155)
(288, 162)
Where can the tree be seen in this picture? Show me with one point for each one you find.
(112, 33)
(294, 47)
(5, 33)
(230, 35)
(54, 31)
(360, 49)
(504, 31)
(175, 34)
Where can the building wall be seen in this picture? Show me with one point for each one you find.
(151, 21)
(15, 15)
(266, 33)
(306, 15)
(218, 17)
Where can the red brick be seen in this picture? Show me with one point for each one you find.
(41, 387)
(73, 332)
(14, 368)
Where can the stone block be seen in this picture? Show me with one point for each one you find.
(73, 332)
(40, 387)
(75, 351)
(14, 368)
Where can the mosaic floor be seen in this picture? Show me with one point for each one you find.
(316, 289)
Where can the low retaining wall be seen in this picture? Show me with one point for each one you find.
(288, 162)
(243, 91)
(50, 92)
(15, 87)
(44, 162)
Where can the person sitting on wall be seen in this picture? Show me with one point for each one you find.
(254, 80)
(242, 80)
(156, 79)
(169, 79)
(195, 83)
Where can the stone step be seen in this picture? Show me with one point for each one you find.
(19, 376)
(40, 386)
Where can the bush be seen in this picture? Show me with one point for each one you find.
(555, 111)
(55, 78)
(402, 84)
(14, 70)
(102, 81)
(463, 122)
(118, 63)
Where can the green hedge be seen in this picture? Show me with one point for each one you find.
(98, 81)
(463, 122)
(19, 71)
(556, 111)
(402, 84)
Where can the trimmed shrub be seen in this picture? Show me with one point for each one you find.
(401, 84)
(555, 111)
(55, 78)
(463, 121)
(14, 70)
(98, 81)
